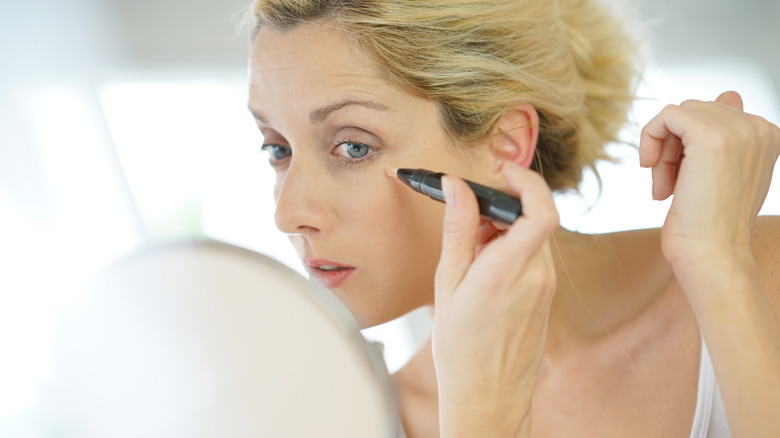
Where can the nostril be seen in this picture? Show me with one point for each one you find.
(306, 229)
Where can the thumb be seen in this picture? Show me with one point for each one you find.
(459, 239)
(731, 98)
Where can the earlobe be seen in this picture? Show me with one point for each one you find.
(515, 136)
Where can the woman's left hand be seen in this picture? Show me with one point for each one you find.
(717, 161)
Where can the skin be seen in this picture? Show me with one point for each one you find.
(360, 199)
(531, 321)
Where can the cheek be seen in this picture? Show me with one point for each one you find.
(390, 207)
(394, 230)
(403, 229)
(399, 253)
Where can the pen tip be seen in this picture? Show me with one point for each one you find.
(392, 171)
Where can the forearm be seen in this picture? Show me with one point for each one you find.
(743, 337)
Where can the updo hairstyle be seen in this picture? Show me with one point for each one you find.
(572, 60)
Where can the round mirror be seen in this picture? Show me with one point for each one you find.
(204, 339)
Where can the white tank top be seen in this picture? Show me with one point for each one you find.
(709, 421)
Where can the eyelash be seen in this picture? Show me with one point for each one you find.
(351, 163)
(347, 163)
(269, 148)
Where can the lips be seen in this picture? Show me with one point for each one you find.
(330, 274)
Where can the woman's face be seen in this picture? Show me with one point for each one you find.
(332, 128)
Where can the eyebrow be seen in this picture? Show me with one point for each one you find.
(321, 114)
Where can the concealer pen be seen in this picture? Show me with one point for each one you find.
(493, 204)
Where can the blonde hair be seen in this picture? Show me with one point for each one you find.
(569, 59)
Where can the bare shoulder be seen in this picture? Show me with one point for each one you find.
(766, 250)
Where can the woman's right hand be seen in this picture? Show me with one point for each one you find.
(491, 309)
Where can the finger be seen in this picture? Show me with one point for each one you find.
(487, 231)
(499, 225)
(664, 173)
(732, 99)
(460, 233)
(652, 138)
(664, 176)
(540, 217)
(671, 121)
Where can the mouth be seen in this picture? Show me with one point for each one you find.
(330, 274)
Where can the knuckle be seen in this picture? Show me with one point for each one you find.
(539, 178)
(720, 137)
(451, 224)
(457, 232)
(690, 103)
(549, 220)
(645, 132)
(554, 219)
(454, 222)
(762, 128)
(541, 280)
(671, 107)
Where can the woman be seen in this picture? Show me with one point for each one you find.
(538, 331)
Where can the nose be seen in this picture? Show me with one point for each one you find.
(301, 202)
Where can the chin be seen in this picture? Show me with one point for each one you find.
(370, 320)
(367, 318)
(383, 306)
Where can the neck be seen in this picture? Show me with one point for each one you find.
(603, 280)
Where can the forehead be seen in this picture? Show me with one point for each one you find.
(305, 43)
(310, 62)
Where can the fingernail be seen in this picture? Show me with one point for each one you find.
(449, 193)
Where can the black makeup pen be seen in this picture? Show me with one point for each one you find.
(493, 204)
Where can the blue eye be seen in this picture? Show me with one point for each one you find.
(354, 150)
(277, 152)
(353, 153)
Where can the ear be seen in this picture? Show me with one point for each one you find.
(514, 137)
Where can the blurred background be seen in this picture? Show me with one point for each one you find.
(124, 122)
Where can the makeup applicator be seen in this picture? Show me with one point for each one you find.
(493, 204)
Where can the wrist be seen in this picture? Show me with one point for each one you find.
(718, 281)
(483, 409)
(711, 264)
(694, 251)
(484, 417)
